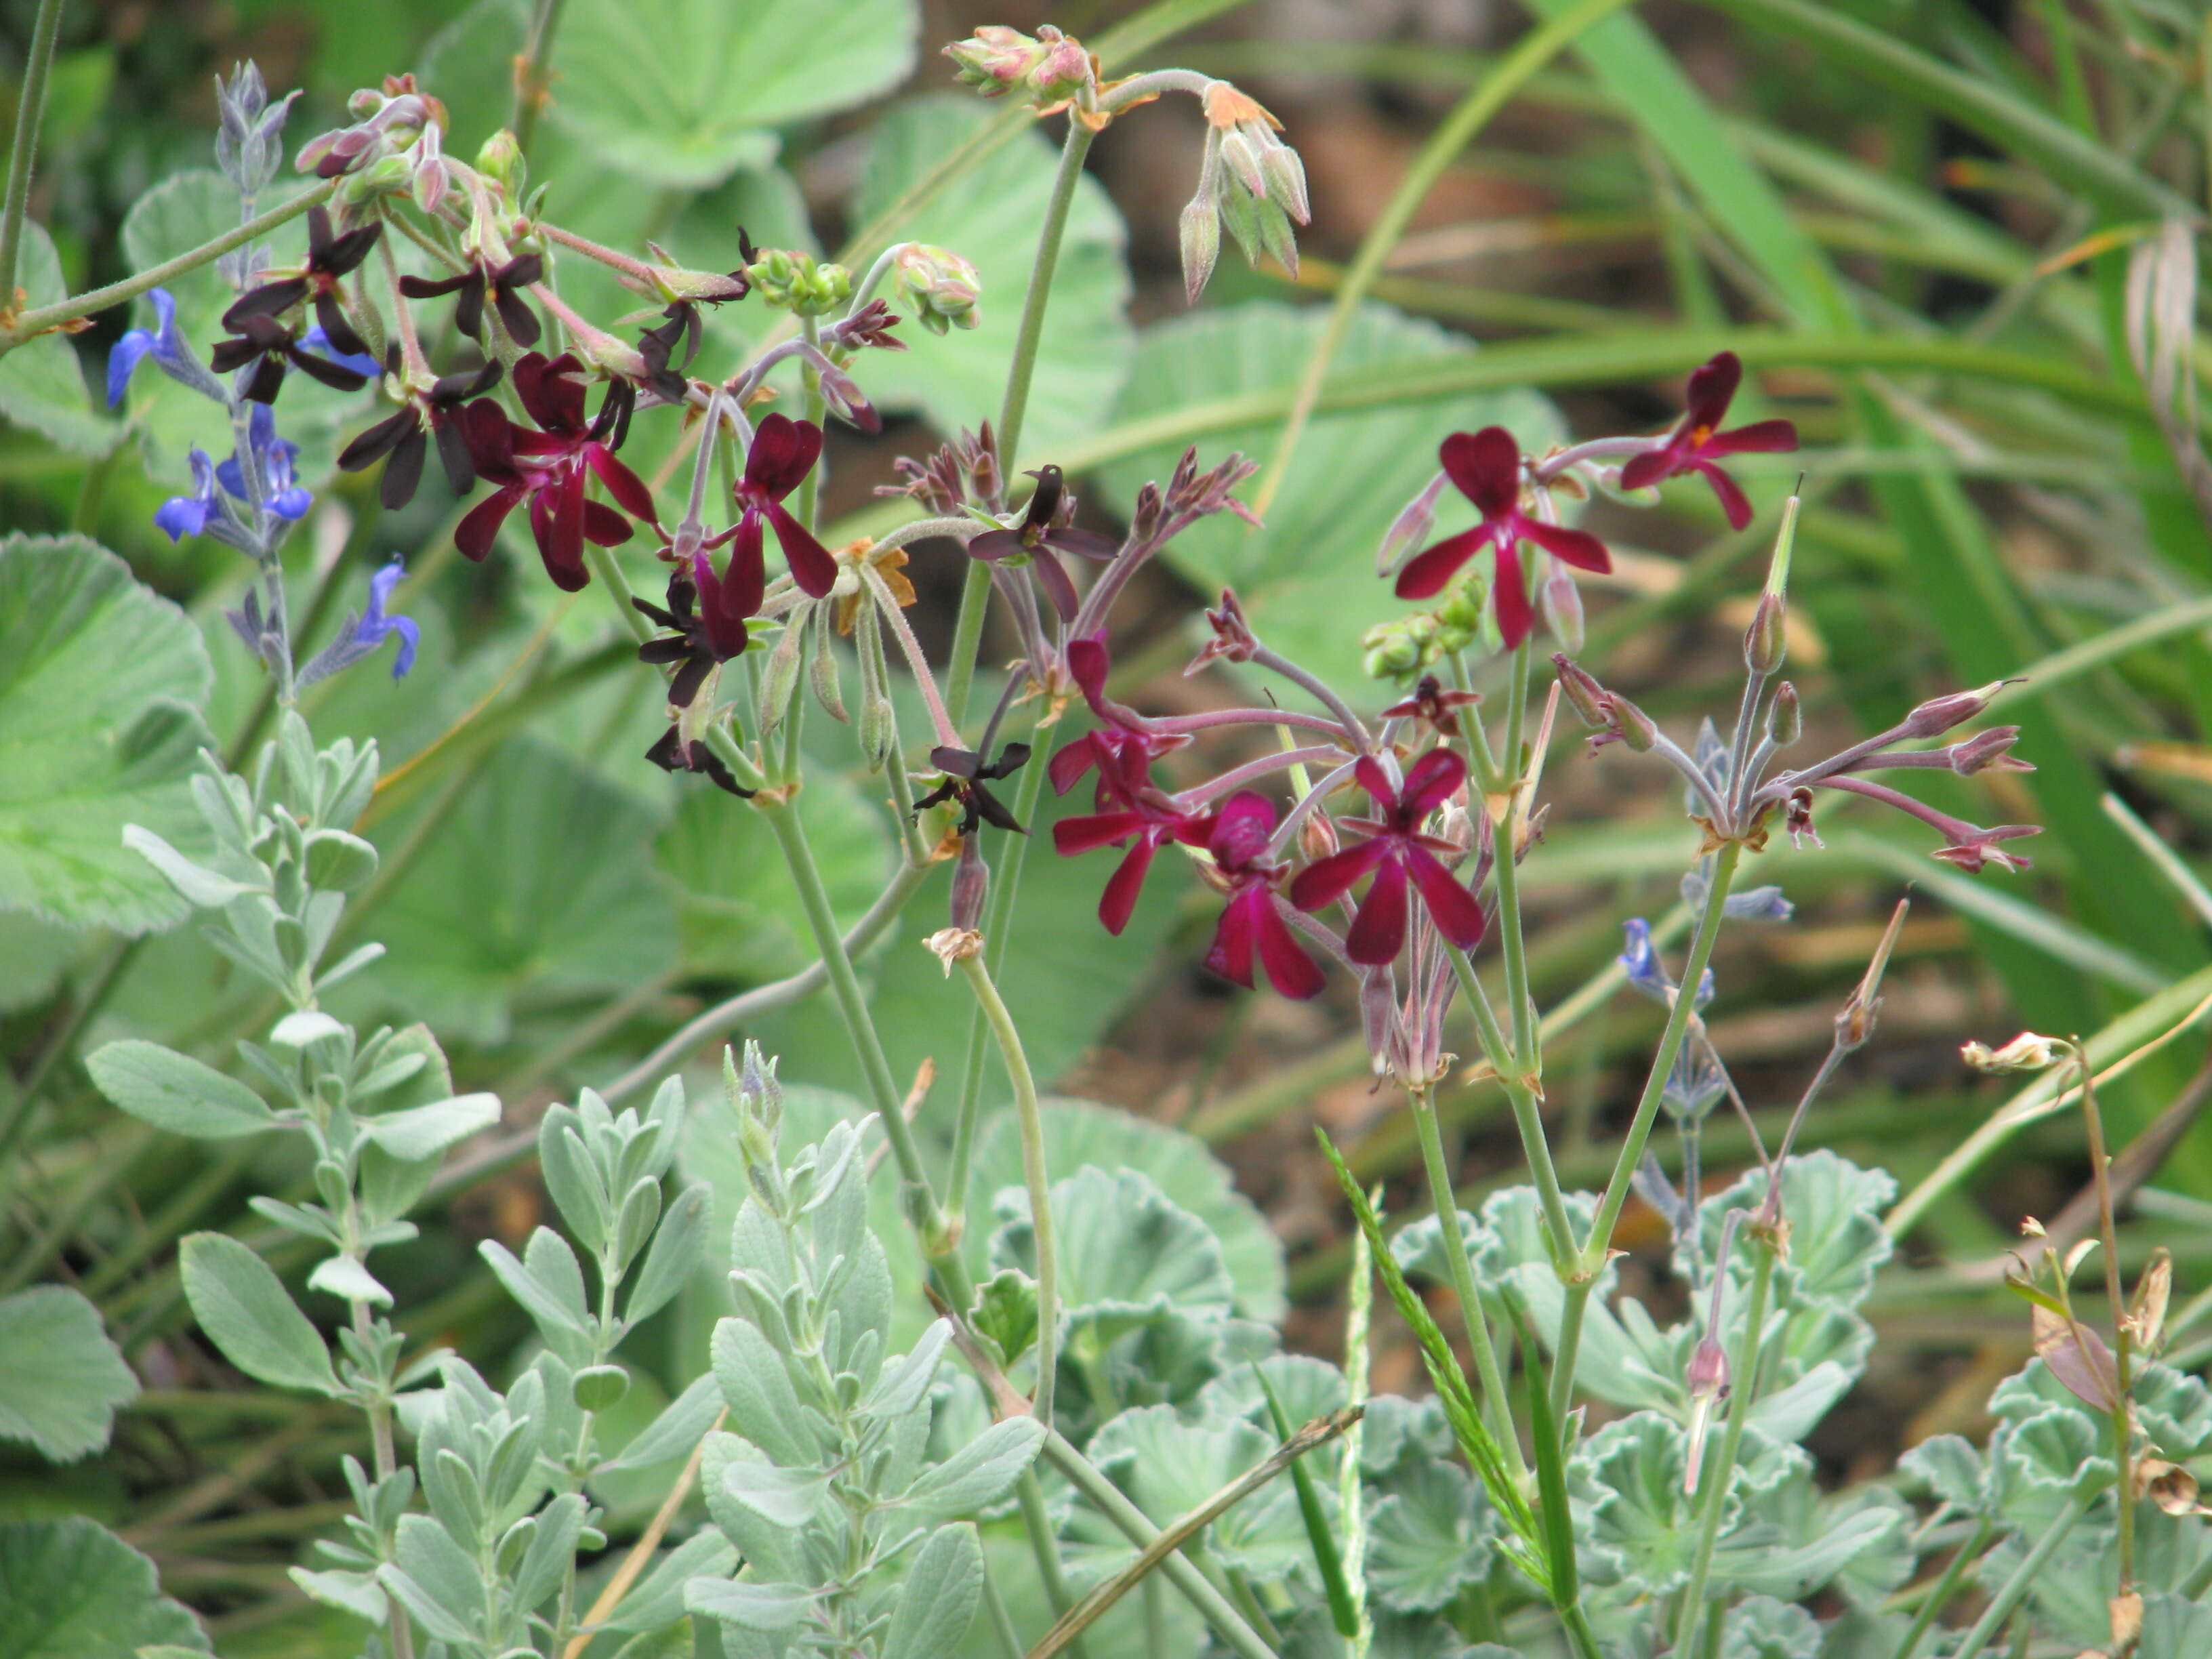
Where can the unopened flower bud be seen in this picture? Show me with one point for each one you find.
(790, 278)
(2028, 1052)
(971, 884)
(1785, 720)
(1707, 1383)
(1562, 603)
(1409, 528)
(500, 159)
(1939, 715)
(941, 287)
(1989, 751)
(1391, 651)
(879, 730)
(1197, 235)
(1637, 731)
(1050, 68)
(1765, 642)
(758, 1090)
(1464, 605)
(1317, 836)
(1591, 700)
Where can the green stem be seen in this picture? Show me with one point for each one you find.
(2011, 1592)
(1938, 1598)
(38, 321)
(63, 1226)
(384, 1454)
(1453, 135)
(1506, 873)
(531, 81)
(810, 486)
(993, 1008)
(1528, 1113)
(1712, 1497)
(1496, 1405)
(967, 638)
(30, 109)
(1137, 1526)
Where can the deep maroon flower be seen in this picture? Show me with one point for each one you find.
(1037, 538)
(1485, 465)
(329, 258)
(547, 467)
(267, 345)
(784, 452)
(1395, 851)
(1145, 817)
(502, 285)
(1252, 924)
(1432, 703)
(1119, 746)
(694, 645)
(1698, 442)
(965, 774)
(402, 440)
(673, 752)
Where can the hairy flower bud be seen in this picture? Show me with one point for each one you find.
(1562, 603)
(1590, 700)
(879, 730)
(1939, 715)
(941, 287)
(1785, 720)
(501, 161)
(791, 279)
(2028, 1052)
(1050, 68)
(1765, 642)
(971, 884)
(1637, 731)
(1411, 528)
(1198, 236)
(1989, 751)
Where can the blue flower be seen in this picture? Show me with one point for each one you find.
(1640, 963)
(358, 362)
(187, 515)
(286, 499)
(374, 624)
(168, 348)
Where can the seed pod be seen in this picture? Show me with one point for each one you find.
(1785, 720)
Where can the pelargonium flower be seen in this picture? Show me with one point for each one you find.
(502, 285)
(401, 441)
(274, 456)
(673, 751)
(1037, 537)
(966, 772)
(330, 258)
(265, 345)
(1252, 926)
(694, 645)
(1431, 703)
(1698, 443)
(1397, 852)
(546, 468)
(1147, 820)
(1486, 467)
(1119, 745)
(783, 452)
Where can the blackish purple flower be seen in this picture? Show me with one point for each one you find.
(966, 772)
(1037, 539)
(265, 345)
(1120, 746)
(1434, 705)
(693, 644)
(547, 468)
(1698, 443)
(1252, 927)
(1398, 854)
(331, 257)
(673, 752)
(1486, 467)
(783, 452)
(503, 286)
(402, 439)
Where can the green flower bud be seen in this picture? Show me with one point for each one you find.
(501, 161)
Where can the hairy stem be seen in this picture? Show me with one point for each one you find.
(30, 109)
(2015, 1589)
(1932, 1605)
(533, 79)
(1712, 1496)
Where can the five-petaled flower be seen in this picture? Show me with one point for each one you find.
(783, 452)
(1037, 538)
(965, 774)
(1396, 851)
(502, 284)
(1142, 815)
(547, 467)
(264, 344)
(1486, 467)
(1698, 443)
(330, 258)
(402, 442)
(693, 645)
(1252, 924)
(1432, 703)
(1119, 746)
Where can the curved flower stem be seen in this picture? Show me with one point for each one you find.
(30, 110)
(920, 529)
(44, 318)
(1151, 83)
(1496, 1405)
(1265, 765)
(1713, 1481)
(993, 1009)
(976, 589)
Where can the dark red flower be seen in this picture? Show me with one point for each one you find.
(966, 773)
(1118, 745)
(502, 285)
(1432, 703)
(693, 646)
(547, 467)
(1252, 924)
(672, 752)
(1148, 818)
(330, 257)
(1485, 465)
(784, 452)
(268, 344)
(1698, 442)
(1031, 541)
(402, 441)
(1397, 852)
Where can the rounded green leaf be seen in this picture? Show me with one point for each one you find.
(72, 1590)
(100, 685)
(63, 1376)
(246, 1312)
(176, 1092)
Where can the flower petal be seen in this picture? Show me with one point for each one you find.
(1088, 831)
(479, 529)
(1428, 572)
(784, 452)
(1378, 932)
(811, 567)
(1759, 438)
(1734, 501)
(625, 486)
(1119, 901)
(1575, 547)
(1641, 472)
(1238, 834)
(1485, 465)
(1514, 616)
(1429, 782)
(1712, 388)
(1292, 972)
(1231, 953)
(1456, 912)
(1326, 880)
